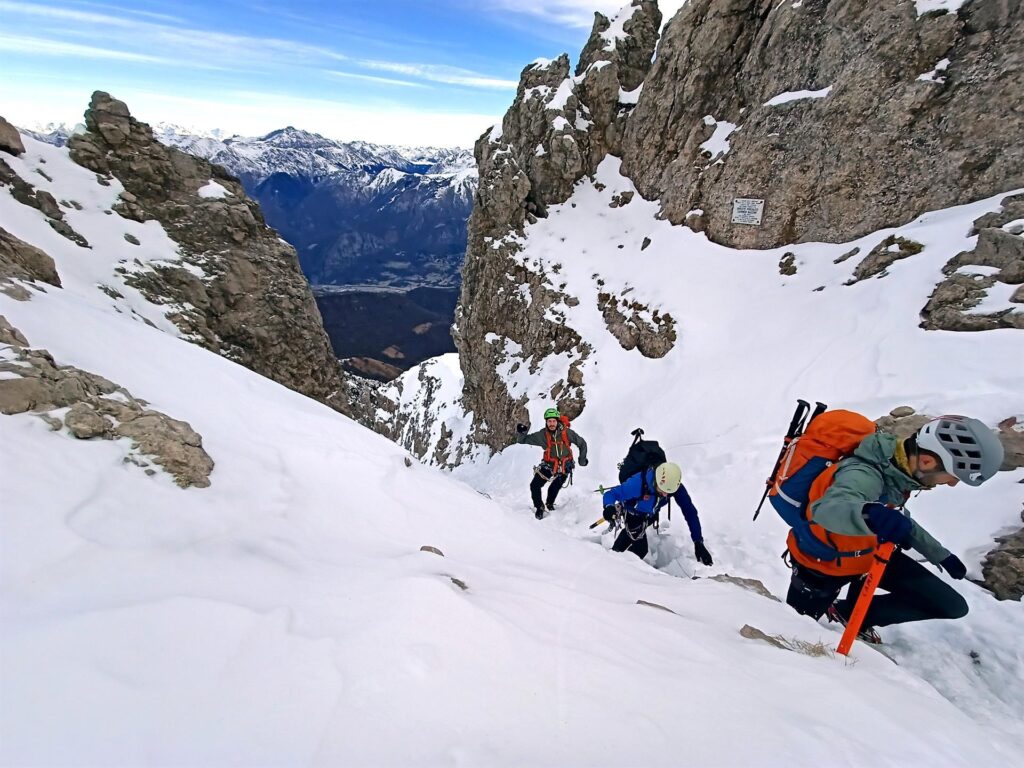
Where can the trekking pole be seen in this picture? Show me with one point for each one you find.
(593, 525)
(867, 592)
(796, 426)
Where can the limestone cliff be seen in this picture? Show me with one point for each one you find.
(558, 130)
(843, 116)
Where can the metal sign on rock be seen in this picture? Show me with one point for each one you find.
(747, 210)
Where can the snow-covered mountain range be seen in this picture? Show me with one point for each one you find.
(358, 213)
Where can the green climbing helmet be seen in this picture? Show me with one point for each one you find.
(552, 413)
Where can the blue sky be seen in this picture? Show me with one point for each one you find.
(392, 71)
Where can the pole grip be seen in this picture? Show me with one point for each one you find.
(796, 425)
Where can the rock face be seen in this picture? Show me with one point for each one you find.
(899, 114)
(253, 305)
(97, 408)
(558, 130)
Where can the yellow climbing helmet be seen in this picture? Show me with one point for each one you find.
(668, 477)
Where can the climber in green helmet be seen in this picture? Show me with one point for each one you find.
(557, 440)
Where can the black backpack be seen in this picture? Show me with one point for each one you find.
(642, 455)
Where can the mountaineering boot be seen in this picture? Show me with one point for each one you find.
(551, 506)
(866, 634)
(539, 513)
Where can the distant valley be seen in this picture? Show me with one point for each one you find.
(386, 224)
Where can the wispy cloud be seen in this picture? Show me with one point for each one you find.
(61, 48)
(134, 39)
(131, 11)
(441, 74)
(374, 79)
(65, 14)
(566, 13)
(575, 14)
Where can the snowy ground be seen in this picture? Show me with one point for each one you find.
(286, 615)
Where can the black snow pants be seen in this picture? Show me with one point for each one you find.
(914, 594)
(541, 475)
(634, 535)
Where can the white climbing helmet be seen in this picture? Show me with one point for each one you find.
(668, 477)
(969, 450)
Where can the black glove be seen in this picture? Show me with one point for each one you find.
(583, 462)
(609, 513)
(522, 429)
(702, 553)
(888, 524)
(954, 567)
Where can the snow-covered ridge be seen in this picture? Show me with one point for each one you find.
(297, 152)
(301, 153)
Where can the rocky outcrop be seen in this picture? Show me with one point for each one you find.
(32, 381)
(242, 293)
(883, 256)
(652, 333)
(558, 130)
(845, 117)
(1003, 567)
(997, 261)
(10, 139)
(21, 261)
(629, 45)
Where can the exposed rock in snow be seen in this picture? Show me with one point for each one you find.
(995, 263)
(20, 260)
(883, 256)
(31, 381)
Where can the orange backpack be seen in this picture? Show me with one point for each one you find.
(805, 472)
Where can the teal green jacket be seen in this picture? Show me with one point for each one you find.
(870, 475)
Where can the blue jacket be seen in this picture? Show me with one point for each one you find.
(630, 495)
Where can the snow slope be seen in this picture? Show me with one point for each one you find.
(286, 615)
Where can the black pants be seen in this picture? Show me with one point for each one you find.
(634, 535)
(541, 475)
(915, 594)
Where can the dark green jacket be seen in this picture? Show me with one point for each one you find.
(870, 475)
(539, 439)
